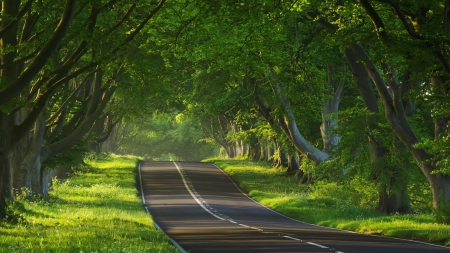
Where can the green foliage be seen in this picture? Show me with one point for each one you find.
(308, 166)
(442, 213)
(441, 149)
(97, 210)
(15, 208)
(351, 159)
(359, 192)
(68, 157)
(167, 137)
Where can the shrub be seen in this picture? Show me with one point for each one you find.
(442, 213)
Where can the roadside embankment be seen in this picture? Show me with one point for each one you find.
(95, 210)
(329, 204)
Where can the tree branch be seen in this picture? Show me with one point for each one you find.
(26, 125)
(374, 17)
(72, 95)
(14, 88)
(16, 19)
(139, 27)
(122, 20)
(78, 133)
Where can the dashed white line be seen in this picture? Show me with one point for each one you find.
(190, 187)
(187, 185)
(318, 245)
(293, 238)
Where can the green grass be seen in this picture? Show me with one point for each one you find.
(96, 210)
(348, 207)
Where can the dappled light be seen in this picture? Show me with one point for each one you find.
(201, 208)
(341, 107)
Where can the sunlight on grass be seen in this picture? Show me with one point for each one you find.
(97, 210)
(328, 204)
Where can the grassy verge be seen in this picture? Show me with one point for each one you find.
(328, 204)
(96, 210)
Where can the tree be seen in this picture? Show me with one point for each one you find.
(416, 32)
(37, 63)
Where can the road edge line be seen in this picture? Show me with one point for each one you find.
(178, 246)
(140, 183)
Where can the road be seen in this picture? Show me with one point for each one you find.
(201, 209)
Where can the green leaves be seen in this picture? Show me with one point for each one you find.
(167, 137)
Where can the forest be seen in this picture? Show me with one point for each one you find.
(331, 90)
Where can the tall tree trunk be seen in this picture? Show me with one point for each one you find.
(396, 117)
(394, 202)
(255, 151)
(21, 148)
(334, 90)
(6, 127)
(97, 130)
(219, 133)
(293, 165)
(270, 150)
(9, 10)
(283, 157)
(16, 83)
(297, 139)
(117, 136)
(363, 83)
(262, 150)
(31, 163)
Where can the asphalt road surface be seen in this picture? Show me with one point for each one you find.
(201, 209)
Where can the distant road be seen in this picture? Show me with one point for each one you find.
(199, 207)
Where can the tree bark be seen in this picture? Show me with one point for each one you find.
(388, 201)
(330, 108)
(295, 136)
(31, 163)
(396, 117)
(73, 138)
(24, 79)
(293, 165)
(6, 127)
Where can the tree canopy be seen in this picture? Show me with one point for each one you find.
(331, 89)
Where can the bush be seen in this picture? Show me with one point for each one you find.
(15, 207)
(442, 213)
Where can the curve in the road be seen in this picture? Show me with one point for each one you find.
(203, 210)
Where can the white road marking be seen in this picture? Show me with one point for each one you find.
(318, 245)
(206, 207)
(293, 238)
(196, 196)
(178, 246)
(186, 184)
